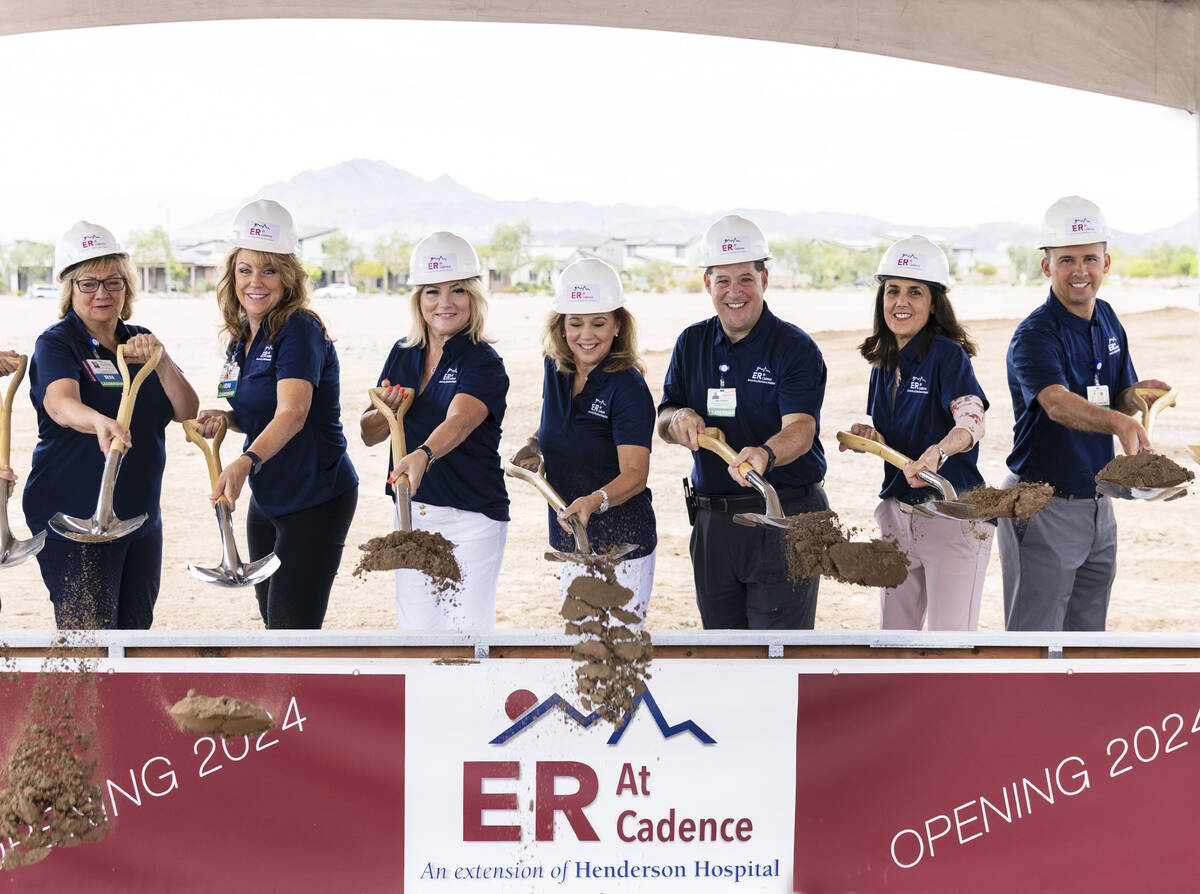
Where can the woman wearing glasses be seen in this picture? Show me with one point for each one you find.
(111, 584)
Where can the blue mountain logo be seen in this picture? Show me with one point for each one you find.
(521, 707)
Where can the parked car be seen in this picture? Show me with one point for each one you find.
(43, 290)
(336, 290)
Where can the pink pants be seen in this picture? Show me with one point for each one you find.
(949, 561)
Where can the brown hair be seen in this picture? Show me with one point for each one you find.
(292, 276)
(85, 268)
(621, 356)
(881, 348)
(476, 318)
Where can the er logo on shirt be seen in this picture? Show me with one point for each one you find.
(918, 385)
(1114, 346)
(449, 377)
(762, 375)
(599, 408)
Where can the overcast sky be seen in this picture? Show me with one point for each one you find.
(137, 126)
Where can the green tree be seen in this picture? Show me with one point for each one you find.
(1026, 260)
(985, 269)
(394, 252)
(341, 253)
(509, 247)
(368, 273)
(657, 273)
(153, 247)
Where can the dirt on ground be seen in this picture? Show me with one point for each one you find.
(1145, 470)
(222, 716)
(424, 551)
(1024, 500)
(817, 544)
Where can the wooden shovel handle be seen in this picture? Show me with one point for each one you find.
(714, 439)
(6, 412)
(212, 456)
(1163, 398)
(129, 391)
(866, 445)
(395, 418)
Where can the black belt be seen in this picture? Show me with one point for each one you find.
(749, 502)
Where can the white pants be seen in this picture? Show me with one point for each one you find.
(949, 561)
(479, 550)
(636, 574)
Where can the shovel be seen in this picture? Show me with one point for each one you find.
(584, 554)
(103, 525)
(1150, 413)
(231, 572)
(947, 507)
(401, 491)
(13, 552)
(714, 439)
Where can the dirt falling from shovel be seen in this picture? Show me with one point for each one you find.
(1145, 470)
(222, 716)
(1023, 500)
(817, 544)
(613, 658)
(424, 551)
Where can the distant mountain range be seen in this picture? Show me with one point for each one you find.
(368, 198)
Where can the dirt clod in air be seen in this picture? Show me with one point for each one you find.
(222, 716)
(424, 551)
(817, 544)
(613, 656)
(1024, 500)
(1145, 470)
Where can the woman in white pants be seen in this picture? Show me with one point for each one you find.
(454, 471)
(596, 426)
(926, 402)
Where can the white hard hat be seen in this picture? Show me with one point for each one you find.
(267, 226)
(732, 240)
(914, 257)
(1073, 220)
(588, 286)
(442, 257)
(83, 242)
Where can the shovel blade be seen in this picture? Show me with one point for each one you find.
(1122, 492)
(757, 519)
(951, 509)
(17, 551)
(613, 556)
(241, 576)
(88, 530)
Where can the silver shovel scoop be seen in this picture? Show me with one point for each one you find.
(103, 525)
(714, 439)
(232, 572)
(12, 551)
(947, 507)
(1149, 411)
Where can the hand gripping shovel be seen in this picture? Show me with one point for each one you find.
(232, 572)
(947, 507)
(13, 552)
(1150, 413)
(103, 525)
(584, 554)
(401, 491)
(714, 439)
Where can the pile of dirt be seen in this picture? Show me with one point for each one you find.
(222, 716)
(48, 794)
(614, 655)
(817, 544)
(1145, 470)
(424, 551)
(1024, 500)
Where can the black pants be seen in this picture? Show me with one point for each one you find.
(741, 572)
(103, 586)
(309, 545)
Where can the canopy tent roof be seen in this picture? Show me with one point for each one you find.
(1137, 49)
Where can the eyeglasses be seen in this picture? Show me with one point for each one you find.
(112, 285)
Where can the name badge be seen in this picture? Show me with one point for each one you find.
(103, 371)
(227, 383)
(722, 401)
(1098, 395)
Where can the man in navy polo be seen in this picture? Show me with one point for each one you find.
(761, 381)
(1072, 381)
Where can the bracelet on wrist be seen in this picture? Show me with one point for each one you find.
(770, 457)
(603, 501)
(431, 459)
(675, 415)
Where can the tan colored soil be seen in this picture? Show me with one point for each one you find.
(876, 563)
(1024, 500)
(817, 544)
(1145, 470)
(222, 716)
(424, 551)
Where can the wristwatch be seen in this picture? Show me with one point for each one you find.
(255, 461)
(603, 501)
(770, 457)
(424, 448)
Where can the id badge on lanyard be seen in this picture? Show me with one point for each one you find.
(1096, 393)
(722, 401)
(103, 372)
(228, 380)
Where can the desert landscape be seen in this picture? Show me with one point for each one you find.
(1158, 541)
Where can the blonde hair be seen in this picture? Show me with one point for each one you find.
(292, 276)
(86, 268)
(621, 356)
(418, 335)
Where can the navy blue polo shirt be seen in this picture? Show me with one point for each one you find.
(68, 464)
(469, 476)
(579, 437)
(776, 368)
(1052, 346)
(921, 416)
(312, 468)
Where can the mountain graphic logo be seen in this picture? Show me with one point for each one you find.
(523, 707)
